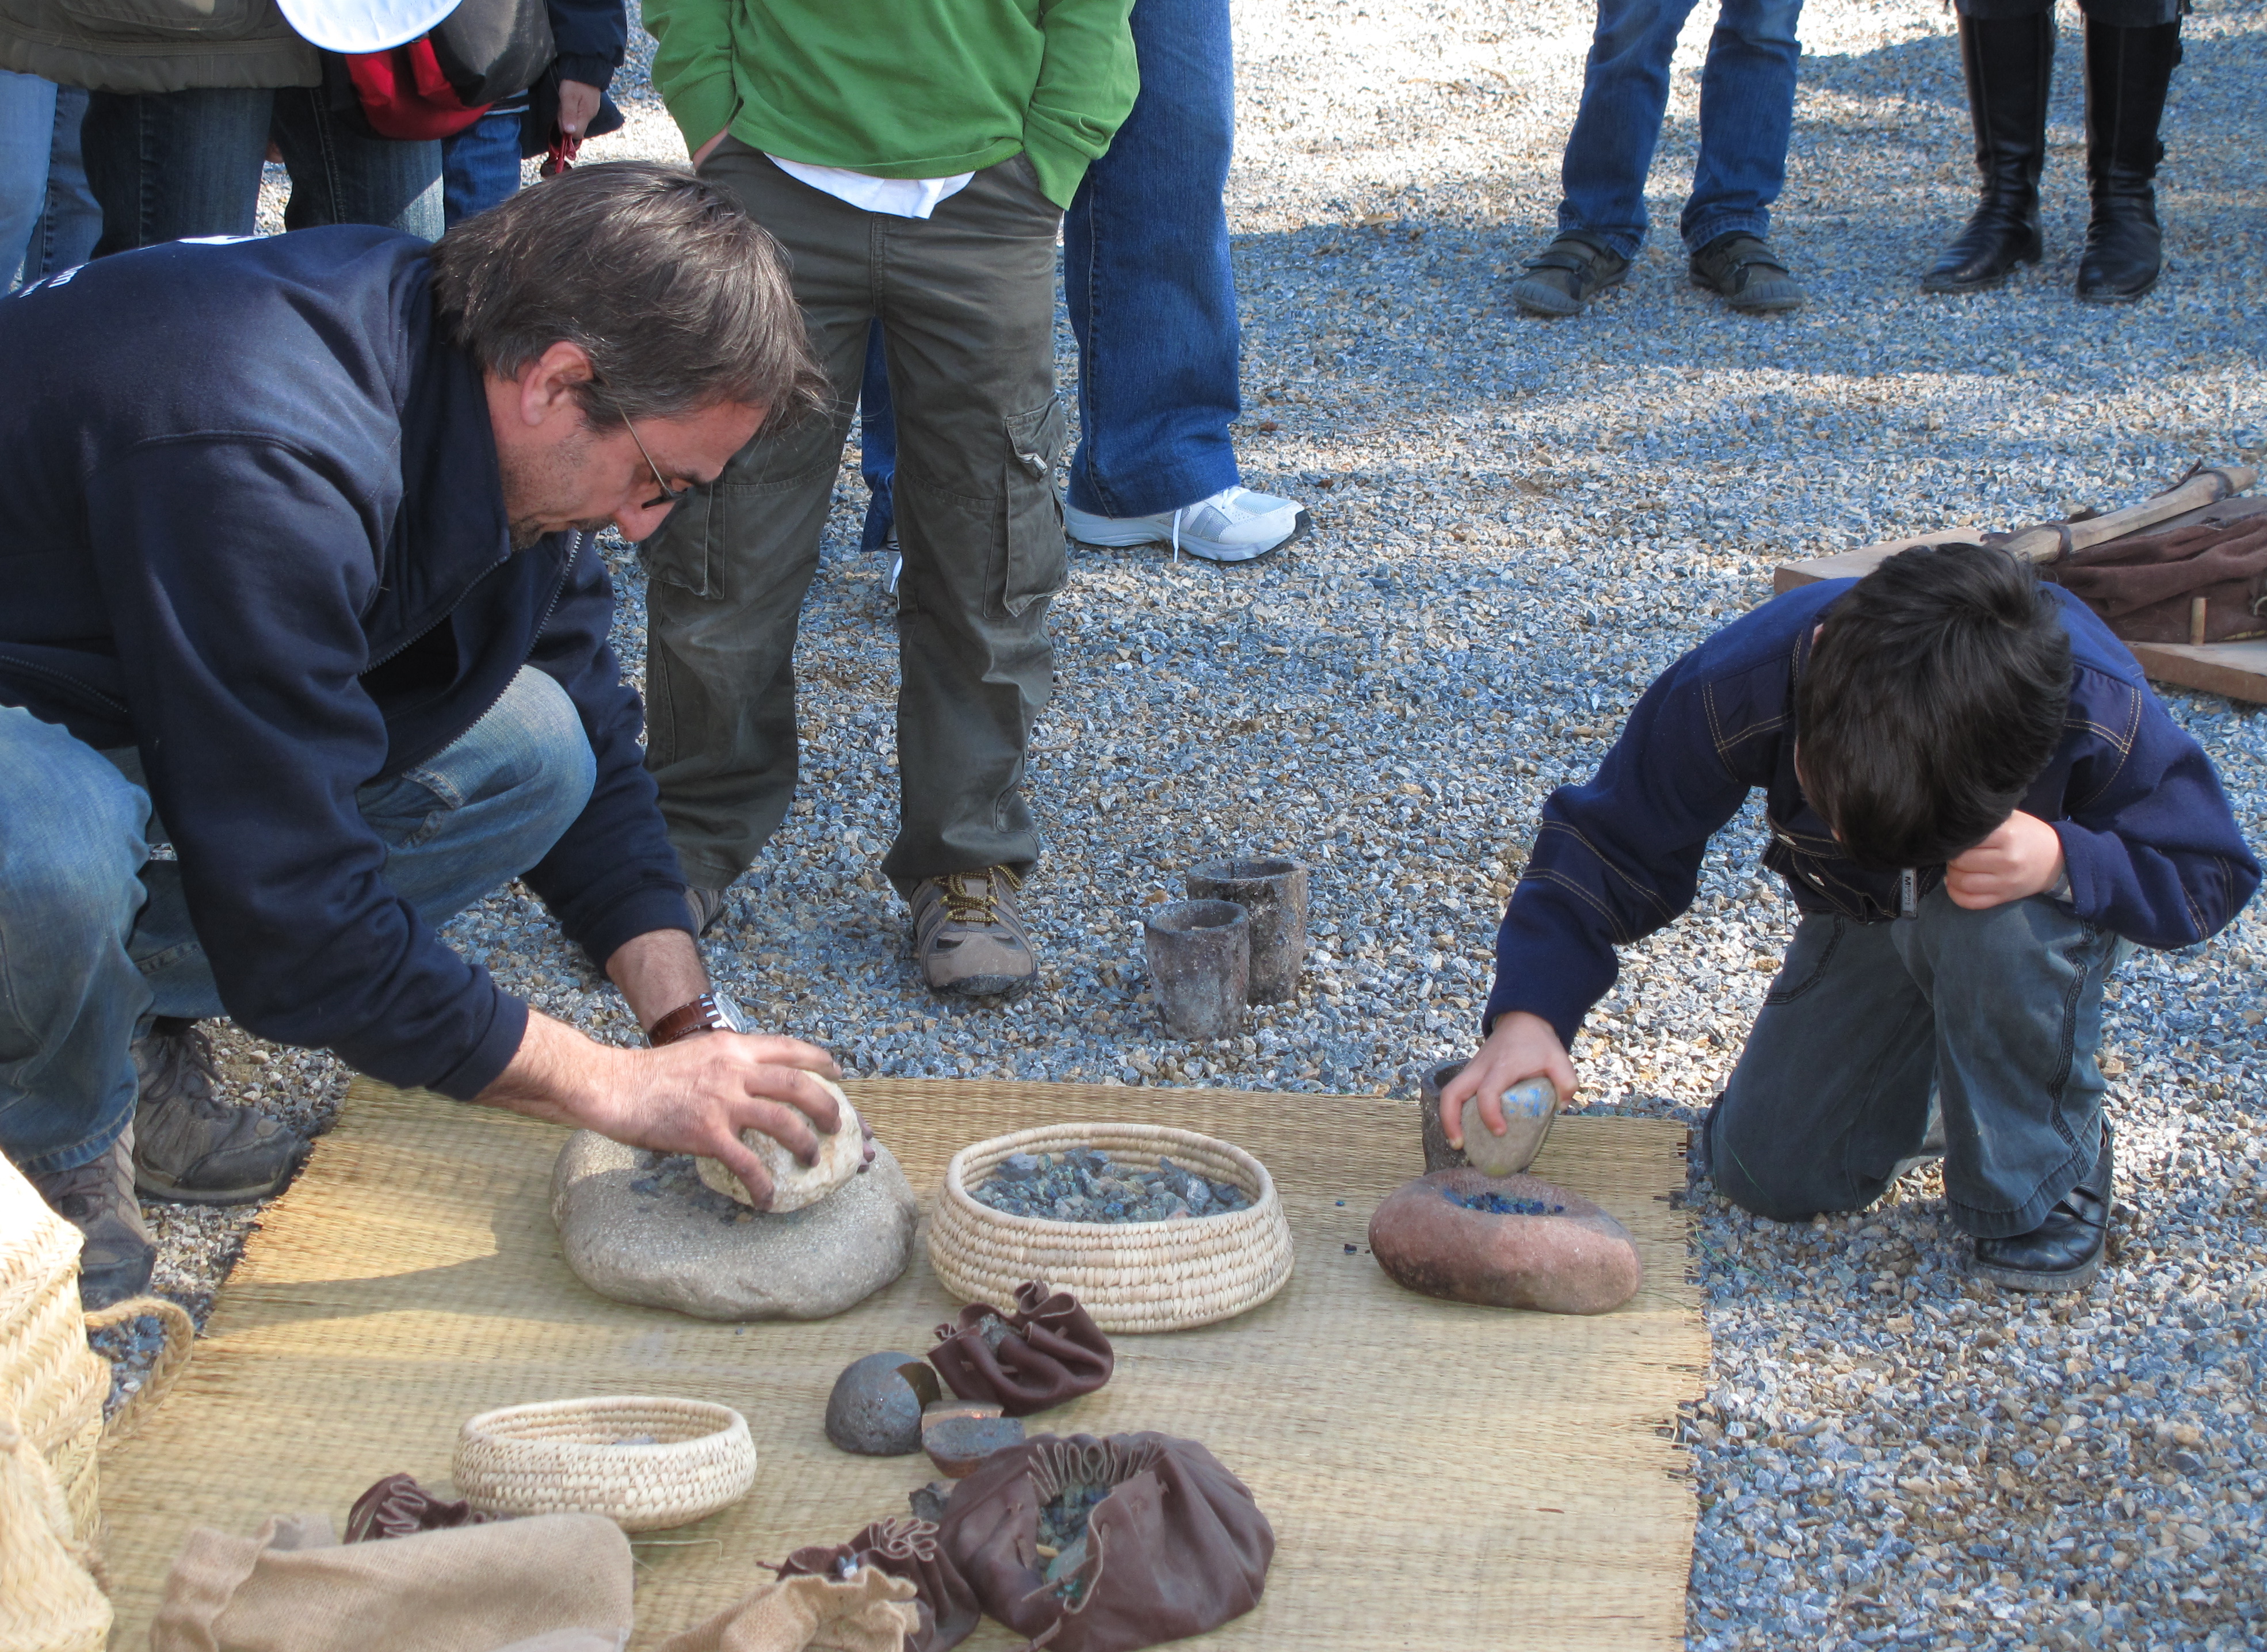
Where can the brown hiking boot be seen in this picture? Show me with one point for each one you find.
(190, 1146)
(97, 1198)
(967, 936)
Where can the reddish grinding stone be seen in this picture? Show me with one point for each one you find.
(1580, 1262)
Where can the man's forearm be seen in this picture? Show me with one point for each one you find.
(657, 972)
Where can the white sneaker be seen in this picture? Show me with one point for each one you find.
(1233, 525)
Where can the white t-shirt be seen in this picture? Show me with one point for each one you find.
(898, 197)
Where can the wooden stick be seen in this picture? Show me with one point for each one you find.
(2207, 487)
(2198, 606)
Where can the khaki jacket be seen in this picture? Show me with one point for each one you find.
(140, 46)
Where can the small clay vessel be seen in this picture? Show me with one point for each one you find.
(1274, 892)
(1199, 956)
(795, 1183)
(1568, 1256)
(877, 1406)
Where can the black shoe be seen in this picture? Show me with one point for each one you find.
(190, 1146)
(1567, 275)
(2009, 63)
(1745, 270)
(2064, 1253)
(2127, 74)
(118, 1255)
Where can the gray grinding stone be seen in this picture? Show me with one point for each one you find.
(876, 1404)
(639, 1227)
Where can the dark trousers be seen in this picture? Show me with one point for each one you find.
(1999, 1012)
(966, 298)
(2117, 14)
(170, 165)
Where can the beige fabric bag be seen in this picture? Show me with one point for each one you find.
(871, 1613)
(474, 1588)
(47, 1602)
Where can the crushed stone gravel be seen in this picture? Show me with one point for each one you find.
(1517, 524)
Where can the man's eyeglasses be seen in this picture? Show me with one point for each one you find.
(668, 496)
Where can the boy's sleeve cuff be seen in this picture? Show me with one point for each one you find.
(1062, 167)
(702, 108)
(589, 71)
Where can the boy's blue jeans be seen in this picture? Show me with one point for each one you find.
(1998, 1011)
(95, 937)
(1747, 111)
(1149, 288)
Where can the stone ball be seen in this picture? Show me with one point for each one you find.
(795, 1185)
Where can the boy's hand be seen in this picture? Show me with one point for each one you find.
(1520, 1047)
(2022, 857)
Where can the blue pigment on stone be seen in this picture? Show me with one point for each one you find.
(1501, 1204)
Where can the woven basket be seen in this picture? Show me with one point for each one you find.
(1131, 1277)
(561, 1456)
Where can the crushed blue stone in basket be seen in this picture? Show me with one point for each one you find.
(1082, 1184)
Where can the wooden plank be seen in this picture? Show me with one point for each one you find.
(1863, 561)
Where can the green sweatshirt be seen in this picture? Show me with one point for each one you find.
(901, 88)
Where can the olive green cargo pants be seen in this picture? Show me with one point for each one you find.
(966, 301)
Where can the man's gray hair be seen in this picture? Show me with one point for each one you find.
(680, 300)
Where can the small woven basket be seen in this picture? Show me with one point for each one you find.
(566, 1456)
(1130, 1276)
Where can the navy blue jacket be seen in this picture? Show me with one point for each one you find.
(2153, 850)
(256, 530)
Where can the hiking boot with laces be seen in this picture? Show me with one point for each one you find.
(1232, 525)
(967, 936)
(1747, 273)
(190, 1146)
(1566, 275)
(97, 1198)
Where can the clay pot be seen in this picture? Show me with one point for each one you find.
(1274, 892)
(1200, 954)
(1579, 1260)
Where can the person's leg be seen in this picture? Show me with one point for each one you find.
(27, 132)
(730, 566)
(342, 174)
(2016, 991)
(1617, 125)
(2007, 57)
(1832, 1090)
(2131, 49)
(877, 445)
(1747, 113)
(1148, 279)
(166, 166)
(71, 221)
(480, 165)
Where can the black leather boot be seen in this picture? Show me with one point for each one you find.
(2009, 63)
(2064, 1253)
(2127, 73)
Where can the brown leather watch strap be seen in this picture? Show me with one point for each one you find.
(700, 1015)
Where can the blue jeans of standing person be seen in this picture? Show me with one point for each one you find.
(1747, 111)
(1998, 1012)
(95, 937)
(480, 165)
(1148, 283)
(170, 165)
(27, 127)
(71, 223)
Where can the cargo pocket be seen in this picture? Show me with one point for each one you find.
(682, 551)
(1034, 560)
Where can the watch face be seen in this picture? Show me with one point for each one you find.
(727, 1011)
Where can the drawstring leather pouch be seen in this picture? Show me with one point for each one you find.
(1048, 1351)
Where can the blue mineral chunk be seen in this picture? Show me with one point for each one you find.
(1017, 1167)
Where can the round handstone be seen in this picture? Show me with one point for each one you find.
(876, 1404)
(643, 1228)
(795, 1185)
(1506, 1242)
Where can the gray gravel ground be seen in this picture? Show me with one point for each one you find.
(1517, 524)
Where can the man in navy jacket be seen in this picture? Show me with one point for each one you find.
(302, 582)
(1977, 806)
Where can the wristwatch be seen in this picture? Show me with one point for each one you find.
(712, 1011)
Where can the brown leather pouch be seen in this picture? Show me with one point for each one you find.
(1175, 1547)
(908, 1548)
(1048, 1351)
(399, 1506)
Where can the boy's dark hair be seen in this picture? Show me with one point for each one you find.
(680, 300)
(1933, 698)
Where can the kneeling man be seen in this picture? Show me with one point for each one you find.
(301, 581)
(1976, 804)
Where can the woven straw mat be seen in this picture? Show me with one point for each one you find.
(1439, 1476)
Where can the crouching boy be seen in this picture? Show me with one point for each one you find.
(1976, 804)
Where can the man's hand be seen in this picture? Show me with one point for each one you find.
(695, 1095)
(1520, 1047)
(707, 150)
(578, 107)
(2021, 857)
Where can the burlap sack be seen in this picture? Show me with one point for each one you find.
(1048, 1351)
(1176, 1547)
(908, 1548)
(475, 1588)
(869, 1612)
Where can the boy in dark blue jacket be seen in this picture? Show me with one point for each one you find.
(1979, 807)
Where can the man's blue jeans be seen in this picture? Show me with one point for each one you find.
(170, 165)
(1999, 1012)
(1747, 111)
(1150, 287)
(480, 165)
(95, 937)
(71, 221)
(27, 127)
